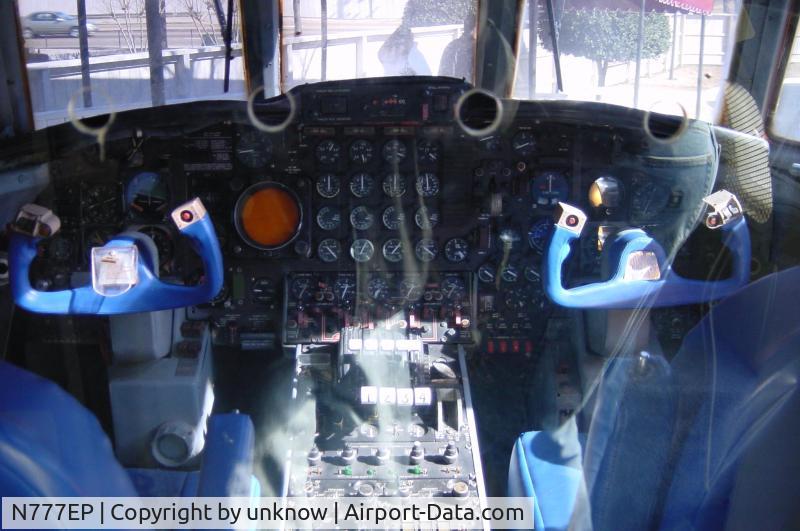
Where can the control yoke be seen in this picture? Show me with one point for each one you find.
(124, 270)
(643, 276)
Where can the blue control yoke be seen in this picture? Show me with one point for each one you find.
(124, 270)
(644, 277)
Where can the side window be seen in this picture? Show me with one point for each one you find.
(786, 117)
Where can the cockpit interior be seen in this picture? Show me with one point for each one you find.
(344, 248)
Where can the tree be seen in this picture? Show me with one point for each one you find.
(606, 36)
(427, 13)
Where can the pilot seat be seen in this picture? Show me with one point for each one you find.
(706, 441)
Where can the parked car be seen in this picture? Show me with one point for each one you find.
(46, 23)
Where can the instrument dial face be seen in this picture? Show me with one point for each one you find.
(254, 149)
(427, 184)
(361, 184)
(163, 240)
(345, 288)
(426, 219)
(486, 273)
(649, 200)
(301, 288)
(378, 288)
(491, 143)
(328, 185)
(549, 188)
(329, 250)
(524, 143)
(361, 151)
(509, 274)
(394, 185)
(263, 291)
(426, 250)
(394, 151)
(328, 152)
(454, 288)
(456, 250)
(361, 218)
(532, 274)
(393, 250)
(427, 151)
(147, 195)
(362, 250)
(329, 218)
(100, 203)
(410, 290)
(393, 217)
(540, 231)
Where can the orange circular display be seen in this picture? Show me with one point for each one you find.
(269, 217)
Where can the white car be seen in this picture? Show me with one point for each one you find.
(48, 23)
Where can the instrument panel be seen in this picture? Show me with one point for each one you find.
(372, 207)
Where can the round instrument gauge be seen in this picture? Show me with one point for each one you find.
(426, 250)
(378, 288)
(362, 250)
(491, 143)
(361, 151)
(394, 185)
(393, 217)
(393, 250)
(649, 200)
(329, 218)
(253, 149)
(524, 143)
(301, 288)
(100, 203)
(59, 249)
(328, 152)
(454, 288)
(328, 185)
(361, 218)
(263, 291)
(410, 290)
(486, 273)
(540, 231)
(509, 274)
(147, 195)
(549, 188)
(163, 240)
(361, 185)
(532, 274)
(456, 250)
(268, 216)
(427, 184)
(345, 288)
(426, 219)
(329, 250)
(394, 151)
(427, 151)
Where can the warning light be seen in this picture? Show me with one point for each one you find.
(268, 216)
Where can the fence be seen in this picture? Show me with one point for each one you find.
(123, 81)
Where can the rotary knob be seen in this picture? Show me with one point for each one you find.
(417, 454)
(450, 453)
(348, 453)
(314, 456)
(382, 455)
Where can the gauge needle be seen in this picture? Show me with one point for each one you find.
(246, 150)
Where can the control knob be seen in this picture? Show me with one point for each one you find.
(314, 456)
(382, 455)
(450, 453)
(417, 454)
(348, 453)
